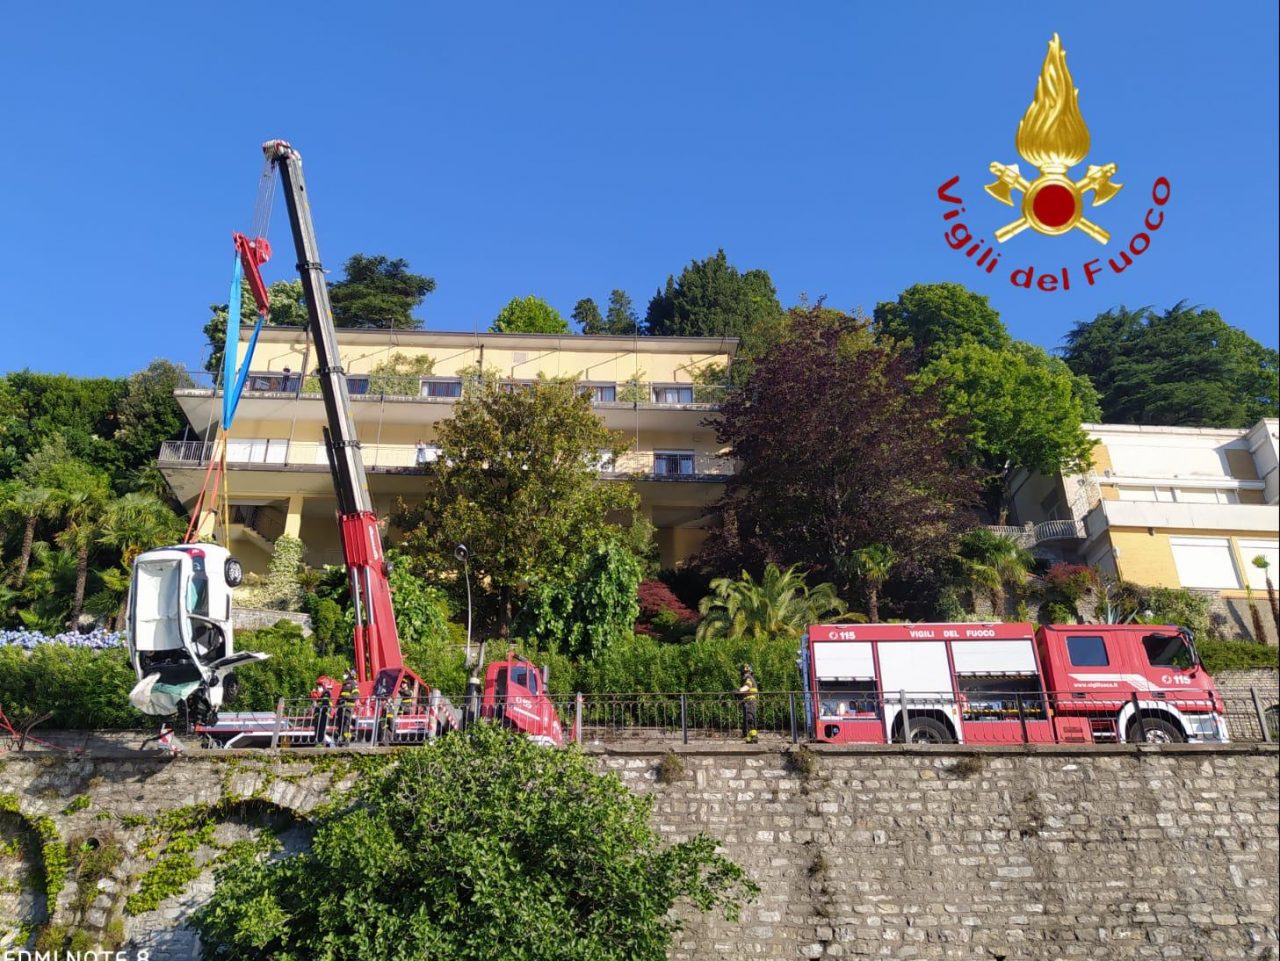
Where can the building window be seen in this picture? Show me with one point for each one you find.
(1204, 562)
(357, 385)
(442, 388)
(600, 393)
(1087, 652)
(673, 395)
(257, 450)
(673, 463)
(1268, 550)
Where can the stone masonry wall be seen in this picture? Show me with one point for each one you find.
(947, 853)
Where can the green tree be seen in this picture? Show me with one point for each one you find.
(872, 565)
(516, 483)
(1019, 407)
(581, 615)
(529, 315)
(1185, 367)
(620, 317)
(400, 375)
(484, 847)
(991, 563)
(711, 298)
(586, 314)
(149, 413)
(287, 309)
(378, 292)
(82, 516)
(934, 318)
(28, 506)
(779, 605)
(83, 411)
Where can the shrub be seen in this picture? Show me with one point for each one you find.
(281, 590)
(662, 614)
(81, 687)
(289, 672)
(516, 839)
(1236, 655)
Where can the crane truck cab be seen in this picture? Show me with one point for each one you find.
(515, 695)
(181, 642)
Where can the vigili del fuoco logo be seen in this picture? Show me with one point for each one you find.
(1053, 138)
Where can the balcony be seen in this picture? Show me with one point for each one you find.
(1036, 535)
(267, 454)
(1162, 515)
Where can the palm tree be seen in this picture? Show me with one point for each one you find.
(1264, 565)
(29, 505)
(872, 565)
(132, 524)
(780, 605)
(82, 517)
(991, 563)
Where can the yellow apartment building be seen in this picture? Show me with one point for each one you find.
(1169, 507)
(278, 473)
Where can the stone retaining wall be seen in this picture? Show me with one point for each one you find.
(931, 853)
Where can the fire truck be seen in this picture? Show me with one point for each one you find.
(180, 635)
(1007, 683)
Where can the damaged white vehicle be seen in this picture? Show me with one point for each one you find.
(181, 642)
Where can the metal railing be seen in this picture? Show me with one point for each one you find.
(975, 718)
(1032, 535)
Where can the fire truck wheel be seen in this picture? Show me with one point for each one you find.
(925, 730)
(233, 572)
(1155, 731)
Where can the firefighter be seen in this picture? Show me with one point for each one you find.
(320, 714)
(347, 698)
(749, 694)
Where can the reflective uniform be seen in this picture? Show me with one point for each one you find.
(347, 699)
(749, 693)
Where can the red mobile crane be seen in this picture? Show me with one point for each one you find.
(514, 691)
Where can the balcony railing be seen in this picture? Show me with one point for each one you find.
(284, 453)
(1033, 535)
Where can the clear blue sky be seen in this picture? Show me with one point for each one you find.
(563, 150)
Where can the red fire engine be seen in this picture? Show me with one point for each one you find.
(1007, 683)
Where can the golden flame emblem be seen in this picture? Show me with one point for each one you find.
(1053, 137)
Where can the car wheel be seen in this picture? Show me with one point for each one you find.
(925, 730)
(233, 572)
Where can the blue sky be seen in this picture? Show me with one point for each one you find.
(563, 150)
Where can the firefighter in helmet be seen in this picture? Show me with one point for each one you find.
(749, 694)
(348, 696)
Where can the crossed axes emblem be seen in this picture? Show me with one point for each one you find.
(1058, 185)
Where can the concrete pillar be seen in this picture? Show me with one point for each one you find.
(205, 527)
(293, 520)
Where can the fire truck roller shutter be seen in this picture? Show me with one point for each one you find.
(915, 666)
(993, 657)
(846, 661)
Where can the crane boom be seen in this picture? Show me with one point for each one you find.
(377, 645)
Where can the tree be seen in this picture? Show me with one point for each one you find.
(82, 510)
(833, 463)
(1185, 367)
(132, 524)
(1017, 407)
(516, 482)
(287, 309)
(586, 314)
(28, 506)
(780, 605)
(83, 411)
(937, 317)
(486, 846)
(990, 562)
(712, 299)
(378, 292)
(149, 413)
(529, 315)
(621, 317)
(872, 565)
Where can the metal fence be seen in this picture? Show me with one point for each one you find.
(979, 718)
